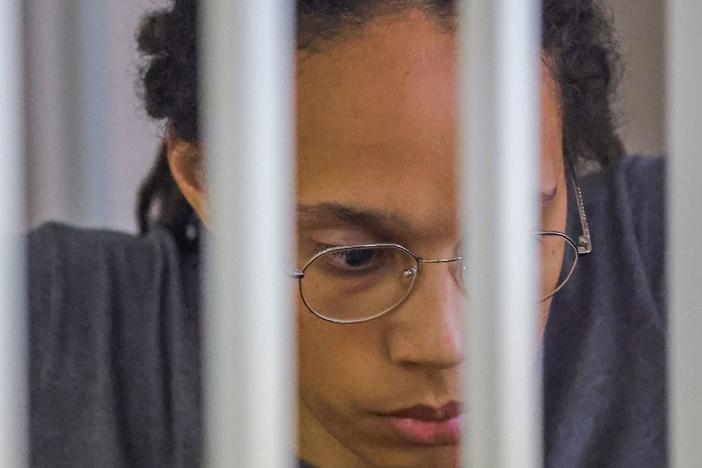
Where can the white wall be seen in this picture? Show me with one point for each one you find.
(640, 28)
(89, 142)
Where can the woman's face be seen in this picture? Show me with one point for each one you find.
(377, 135)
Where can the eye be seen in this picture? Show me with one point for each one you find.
(354, 259)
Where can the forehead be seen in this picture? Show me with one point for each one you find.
(376, 124)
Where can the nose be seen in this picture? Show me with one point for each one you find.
(425, 329)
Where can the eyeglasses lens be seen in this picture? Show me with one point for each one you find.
(354, 284)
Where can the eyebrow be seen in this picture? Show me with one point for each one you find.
(383, 222)
(376, 220)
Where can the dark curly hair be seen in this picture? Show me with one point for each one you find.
(576, 36)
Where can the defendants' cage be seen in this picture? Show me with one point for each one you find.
(256, 116)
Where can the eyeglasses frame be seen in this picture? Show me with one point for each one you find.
(583, 247)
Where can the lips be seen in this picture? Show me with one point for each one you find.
(426, 425)
(429, 413)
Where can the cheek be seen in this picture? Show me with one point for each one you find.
(551, 265)
(337, 363)
(544, 312)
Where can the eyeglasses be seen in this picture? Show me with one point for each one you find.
(353, 284)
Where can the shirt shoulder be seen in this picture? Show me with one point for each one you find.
(78, 248)
(78, 277)
(108, 330)
(604, 355)
(626, 203)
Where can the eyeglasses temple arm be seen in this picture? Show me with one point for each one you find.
(585, 239)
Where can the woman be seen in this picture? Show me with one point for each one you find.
(115, 329)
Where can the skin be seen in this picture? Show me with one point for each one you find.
(377, 131)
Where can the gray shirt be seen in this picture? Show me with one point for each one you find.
(115, 371)
(604, 362)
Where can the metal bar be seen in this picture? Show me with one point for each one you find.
(45, 138)
(95, 142)
(13, 346)
(499, 67)
(247, 91)
(84, 112)
(685, 211)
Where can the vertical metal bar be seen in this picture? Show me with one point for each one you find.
(45, 137)
(685, 211)
(95, 144)
(13, 349)
(84, 111)
(247, 91)
(499, 70)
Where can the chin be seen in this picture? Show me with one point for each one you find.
(415, 457)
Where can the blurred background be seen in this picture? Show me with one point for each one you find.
(90, 144)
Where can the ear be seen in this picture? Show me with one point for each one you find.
(551, 128)
(187, 168)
